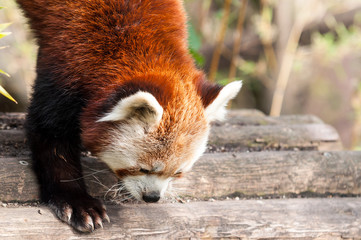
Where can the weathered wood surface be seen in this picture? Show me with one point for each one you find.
(218, 174)
(13, 143)
(215, 175)
(275, 137)
(11, 120)
(241, 116)
(264, 173)
(254, 117)
(17, 119)
(242, 131)
(246, 219)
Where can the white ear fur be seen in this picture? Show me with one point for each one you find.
(141, 105)
(217, 109)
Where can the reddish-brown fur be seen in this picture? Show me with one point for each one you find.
(101, 54)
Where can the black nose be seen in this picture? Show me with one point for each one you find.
(151, 197)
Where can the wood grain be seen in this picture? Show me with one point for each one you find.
(17, 119)
(263, 173)
(241, 132)
(13, 143)
(218, 174)
(275, 137)
(12, 120)
(248, 219)
(242, 117)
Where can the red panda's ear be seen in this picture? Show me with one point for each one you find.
(215, 108)
(207, 91)
(141, 106)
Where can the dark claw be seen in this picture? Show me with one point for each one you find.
(83, 213)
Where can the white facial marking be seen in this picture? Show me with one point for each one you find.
(141, 112)
(135, 104)
(124, 148)
(137, 185)
(196, 150)
(217, 109)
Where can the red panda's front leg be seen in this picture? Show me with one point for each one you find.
(53, 134)
(57, 166)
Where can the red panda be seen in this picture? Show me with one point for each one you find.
(115, 77)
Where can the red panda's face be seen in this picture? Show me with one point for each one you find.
(148, 146)
(160, 161)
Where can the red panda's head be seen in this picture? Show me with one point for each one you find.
(151, 140)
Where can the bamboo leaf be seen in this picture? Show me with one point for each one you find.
(4, 34)
(4, 25)
(6, 94)
(5, 73)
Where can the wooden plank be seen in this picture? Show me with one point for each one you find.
(276, 137)
(219, 174)
(244, 130)
(238, 117)
(15, 120)
(13, 143)
(234, 117)
(229, 137)
(268, 173)
(12, 120)
(249, 219)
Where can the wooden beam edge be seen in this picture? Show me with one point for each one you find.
(218, 175)
(266, 219)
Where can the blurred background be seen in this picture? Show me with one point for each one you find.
(295, 57)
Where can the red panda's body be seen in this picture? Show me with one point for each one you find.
(103, 42)
(116, 77)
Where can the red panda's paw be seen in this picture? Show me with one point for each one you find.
(83, 213)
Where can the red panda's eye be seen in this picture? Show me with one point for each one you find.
(178, 174)
(142, 170)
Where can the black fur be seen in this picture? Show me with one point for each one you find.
(53, 132)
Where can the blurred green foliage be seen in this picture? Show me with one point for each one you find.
(194, 44)
(333, 44)
(3, 26)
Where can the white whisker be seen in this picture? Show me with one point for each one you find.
(87, 175)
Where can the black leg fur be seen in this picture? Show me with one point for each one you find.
(53, 133)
